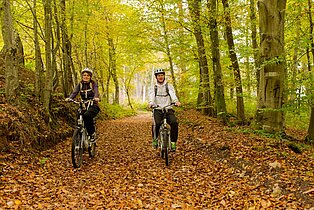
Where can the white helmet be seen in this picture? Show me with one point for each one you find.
(159, 71)
(88, 70)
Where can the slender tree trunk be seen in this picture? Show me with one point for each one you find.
(68, 72)
(86, 59)
(310, 131)
(167, 47)
(247, 66)
(270, 115)
(107, 86)
(214, 38)
(182, 52)
(113, 69)
(235, 64)
(48, 51)
(254, 41)
(194, 8)
(295, 90)
(55, 47)
(39, 64)
(10, 52)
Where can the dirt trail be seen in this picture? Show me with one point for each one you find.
(128, 174)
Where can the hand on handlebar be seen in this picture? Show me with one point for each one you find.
(68, 99)
(178, 103)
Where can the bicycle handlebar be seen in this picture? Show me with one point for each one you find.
(172, 104)
(81, 101)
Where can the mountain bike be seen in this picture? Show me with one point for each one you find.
(80, 139)
(164, 137)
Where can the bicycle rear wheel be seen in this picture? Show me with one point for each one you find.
(77, 149)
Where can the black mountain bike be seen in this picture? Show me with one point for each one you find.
(164, 137)
(80, 139)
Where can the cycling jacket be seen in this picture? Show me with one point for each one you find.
(162, 98)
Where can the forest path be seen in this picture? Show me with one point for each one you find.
(213, 168)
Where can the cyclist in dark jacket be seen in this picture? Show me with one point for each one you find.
(88, 89)
(163, 94)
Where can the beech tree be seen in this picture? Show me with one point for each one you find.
(310, 135)
(234, 63)
(204, 97)
(218, 82)
(270, 115)
(48, 59)
(10, 51)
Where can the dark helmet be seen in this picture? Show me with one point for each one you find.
(88, 70)
(159, 71)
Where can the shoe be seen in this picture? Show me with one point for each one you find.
(155, 143)
(92, 138)
(173, 146)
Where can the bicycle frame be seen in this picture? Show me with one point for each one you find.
(80, 139)
(164, 140)
(81, 126)
(164, 132)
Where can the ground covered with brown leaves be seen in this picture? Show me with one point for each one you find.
(214, 167)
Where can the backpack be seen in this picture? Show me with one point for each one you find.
(167, 90)
(90, 85)
(85, 91)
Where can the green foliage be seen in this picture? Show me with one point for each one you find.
(249, 107)
(297, 120)
(260, 132)
(43, 161)
(29, 64)
(139, 106)
(113, 111)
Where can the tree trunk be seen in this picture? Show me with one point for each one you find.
(254, 42)
(48, 51)
(182, 65)
(68, 80)
(11, 62)
(235, 64)
(248, 70)
(194, 8)
(39, 65)
(113, 69)
(270, 115)
(167, 46)
(214, 38)
(295, 87)
(86, 59)
(107, 86)
(55, 48)
(310, 131)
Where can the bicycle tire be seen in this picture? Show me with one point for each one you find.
(77, 149)
(92, 150)
(92, 146)
(161, 145)
(166, 148)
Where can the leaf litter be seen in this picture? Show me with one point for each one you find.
(214, 167)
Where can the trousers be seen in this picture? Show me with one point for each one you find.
(171, 120)
(88, 118)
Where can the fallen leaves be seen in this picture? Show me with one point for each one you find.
(214, 168)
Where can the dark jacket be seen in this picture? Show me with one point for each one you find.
(87, 90)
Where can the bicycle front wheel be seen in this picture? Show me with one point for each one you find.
(77, 149)
(92, 149)
(166, 148)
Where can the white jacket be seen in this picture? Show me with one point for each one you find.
(162, 99)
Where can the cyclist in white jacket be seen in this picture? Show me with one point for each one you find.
(163, 94)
